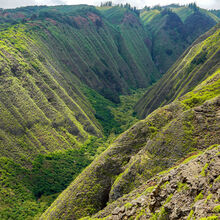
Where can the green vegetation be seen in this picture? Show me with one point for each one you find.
(214, 217)
(183, 12)
(217, 179)
(210, 195)
(141, 213)
(207, 90)
(190, 215)
(123, 113)
(172, 29)
(102, 111)
(52, 173)
(182, 186)
(34, 190)
(162, 213)
(114, 118)
(203, 172)
(199, 197)
(198, 66)
(147, 16)
(149, 189)
(16, 199)
(217, 209)
(67, 66)
(77, 72)
(192, 157)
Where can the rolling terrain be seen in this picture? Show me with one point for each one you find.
(62, 71)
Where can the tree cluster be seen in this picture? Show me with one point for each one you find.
(193, 6)
(127, 5)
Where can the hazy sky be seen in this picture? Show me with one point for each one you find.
(210, 4)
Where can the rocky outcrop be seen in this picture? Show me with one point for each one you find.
(188, 191)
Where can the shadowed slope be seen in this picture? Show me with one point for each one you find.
(198, 62)
(172, 30)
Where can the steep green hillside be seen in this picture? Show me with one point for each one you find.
(184, 12)
(41, 110)
(215, 12)
(87, 45)
(189, 124)
(172, 30)
(198, 62)
(69, 78)
(132, 43)
(51, 117)
(47, 60)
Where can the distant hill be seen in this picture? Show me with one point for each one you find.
(172, 29)
(198, 62)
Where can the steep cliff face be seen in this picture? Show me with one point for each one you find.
(46, 63)
(154, 144)
(132, 44)
(41, 111)
(147, 148)
(82, 41)
(198, 62)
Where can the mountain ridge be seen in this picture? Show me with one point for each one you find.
(69, 78)
(154, 144)
(174, 76)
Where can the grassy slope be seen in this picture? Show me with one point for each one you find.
(46, 62)
(114, 118)
(44, 115)
(215, 12)
(132, 44)
(27, 193)
(185, 12)
(166, 39)
(147, 16)
(196, 64)
(41, 112)
(173, 30)
(84, 36)
(149, 147)
(94, 37)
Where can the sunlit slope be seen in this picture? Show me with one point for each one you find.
(90, 45)
(62, 70)
(41, 110)
(47, 61)
(184, 12)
